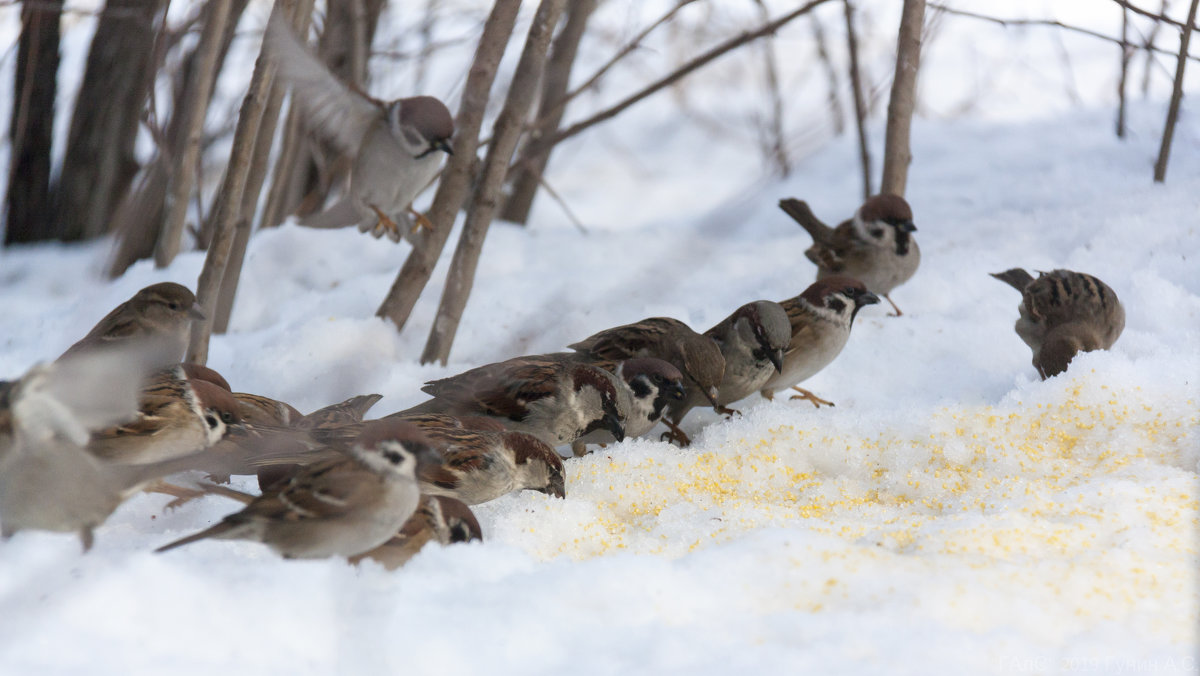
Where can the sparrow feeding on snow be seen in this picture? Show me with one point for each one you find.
(554, 399)
(48, 478)
(697, 357)
(438, 519)
(875, 246)
(478, 466)
(159, 316)
(752, 340)
(653, 384)
(341, 506)
(396, 147)
(1063, 313)
(821, 319)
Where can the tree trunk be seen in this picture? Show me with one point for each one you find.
(456, 177)
(229, 199)
(505, 134)
(29, 217)
(1126, 55)
(100, 162)
(897, 153)
(1164, 151)
(860, 104)
(535, 155)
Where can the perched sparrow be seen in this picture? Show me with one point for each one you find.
(479, 466)
(821, 318)
(396, 146)
(1064, 313)
(340, 507)
(162, 313)
(48, 479)
(875, 246)
(752, 340)
(438, 519)
(554, 399)
(176, 416)
(697, 357)
(653, 385)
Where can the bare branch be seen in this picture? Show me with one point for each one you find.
(897, 153)
(1160, 17)
(860, 106)
(1164, 151)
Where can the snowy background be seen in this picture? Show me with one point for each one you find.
(953, 514)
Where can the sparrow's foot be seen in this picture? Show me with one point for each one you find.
(384, 225)
(675, 434)
(727, 412)
(182, 495)
(810, 397)
(579, 449)
(768, 395)
(889, 300)
(419, 221)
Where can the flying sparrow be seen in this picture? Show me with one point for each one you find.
(1064, 313)
(159, 316)
(339, 507)
(48, 478)
(697, 357)
(752, 340)
(875, 246)
(479, 466)
(821, 318)
(438, 519)
(396, 147)
(554, 399)
(653, 385)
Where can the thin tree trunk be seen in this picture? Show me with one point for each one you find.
(192, 115)
(301, 14)
(775, 145)
(897, 152)
(1149, 47)
(835, 102)
(534, 154)
(459, 171)
(29, 217)
(100, 163)
(505, 135)
(1164, 151)
(860, 105)
(1126, 55)
(229, 199)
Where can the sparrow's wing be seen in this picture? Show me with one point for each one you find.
(804, 331)
(1063, 296)
(326, 490)
(639, 339)
(259, 410)
(503, 390)
(331, 109)
(350, 411)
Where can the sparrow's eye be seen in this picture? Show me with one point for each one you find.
(173, 306)
(227, 417)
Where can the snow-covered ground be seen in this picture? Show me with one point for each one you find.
(952, 514)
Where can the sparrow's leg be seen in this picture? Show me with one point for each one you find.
(727, 412)
(898, 312)
(226, 492)
(768, 395)
(182, 495)
(87, 538)
(385, 224)
(675, 434)
(420, 221)
(579, 448)
(809, 396)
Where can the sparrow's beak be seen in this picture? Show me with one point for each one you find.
(613, 424)
(444, 146)
(906, 226)
(675, 391)
(711, 394)
(557, 487)
(195, 313)
(867, 298)
(776, 357)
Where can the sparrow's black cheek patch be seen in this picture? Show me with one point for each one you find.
(639, 387)
(393, 457)
(835, 304)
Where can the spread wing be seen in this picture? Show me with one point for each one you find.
(331, 109)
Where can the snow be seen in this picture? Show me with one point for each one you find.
(952, 514)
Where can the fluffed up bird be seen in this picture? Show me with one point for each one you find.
(821, 319)
(1064, 313)
(342, 506)
(158, 318)
(396, 147)
(875, 246)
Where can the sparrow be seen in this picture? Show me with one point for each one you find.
(176, 415)
(337, 424)
(259, 410)
(752, 341)
(875, 246)
(351, 410)
(697, 357)
(821, 318)
(342, 506)
(396, 146)
(479, 466)
(159, 318)
(49, 480)
(653, 385)
(438, 519)
(1064, 313)
(554, 399)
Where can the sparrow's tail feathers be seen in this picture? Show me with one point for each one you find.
(1016, 278)
(799, 211)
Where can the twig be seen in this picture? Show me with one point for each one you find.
(1126, 55)
(775, 146)
(1164, 151)
(1160, 17)
(860, 106)
(835, 102)
(562, 203)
